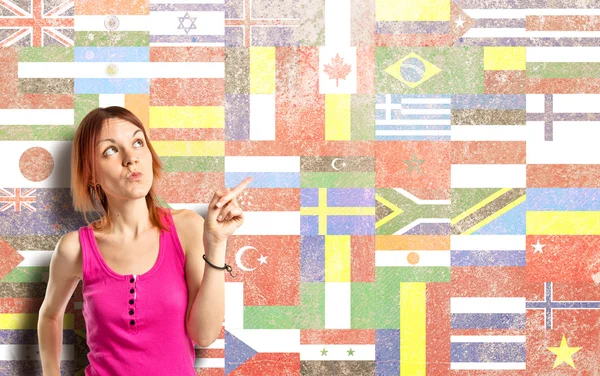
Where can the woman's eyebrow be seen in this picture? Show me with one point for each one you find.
(111, 140)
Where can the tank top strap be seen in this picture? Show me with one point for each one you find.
(172, 242)
(91, 267)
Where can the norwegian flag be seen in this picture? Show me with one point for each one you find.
(16, 199)
(36, 24)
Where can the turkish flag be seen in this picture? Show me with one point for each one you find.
(269, 267)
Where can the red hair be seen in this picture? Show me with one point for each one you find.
(89, 196)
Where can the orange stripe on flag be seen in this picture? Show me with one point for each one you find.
(422, 242)
(138, 104)
(106, 7)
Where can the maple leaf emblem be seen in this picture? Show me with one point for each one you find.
(337, 69)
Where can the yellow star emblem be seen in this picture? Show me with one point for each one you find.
(563, 353)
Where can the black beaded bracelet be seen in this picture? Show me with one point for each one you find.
(226, 267)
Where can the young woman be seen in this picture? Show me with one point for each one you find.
(147, 296)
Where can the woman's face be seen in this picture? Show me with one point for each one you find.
(126, 152)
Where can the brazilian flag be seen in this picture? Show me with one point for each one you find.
(429, 70)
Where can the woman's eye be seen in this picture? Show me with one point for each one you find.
(112, 147)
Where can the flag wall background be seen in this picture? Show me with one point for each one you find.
(426, 174)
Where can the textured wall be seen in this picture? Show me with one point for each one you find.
(425, 173)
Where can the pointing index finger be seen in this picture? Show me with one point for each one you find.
(237, 190)
(240, 187)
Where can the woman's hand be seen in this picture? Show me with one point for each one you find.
(224, 214)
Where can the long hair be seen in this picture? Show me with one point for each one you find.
(88, 196)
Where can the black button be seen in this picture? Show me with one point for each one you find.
(131, 280)
(131, 311)
(132, 322)
(130, 301)
(131, 291)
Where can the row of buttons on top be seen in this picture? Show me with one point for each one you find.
(131, 301)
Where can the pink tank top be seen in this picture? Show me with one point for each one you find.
(135, 324)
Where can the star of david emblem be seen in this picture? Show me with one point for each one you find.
(182, 20)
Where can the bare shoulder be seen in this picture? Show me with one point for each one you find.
(68, 249)
(188, 224)
(63, 277)
(71, 239)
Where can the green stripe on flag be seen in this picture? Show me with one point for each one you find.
(37, 132)
(369, 299)
(310, 314)
(193, 164)
(563, 70)
(46, 54)
(351, 179)
(85, 103)
(362, 117)
(27, 274)
(112, 38)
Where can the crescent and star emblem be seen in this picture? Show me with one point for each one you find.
(333, 163)
(240, 253)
